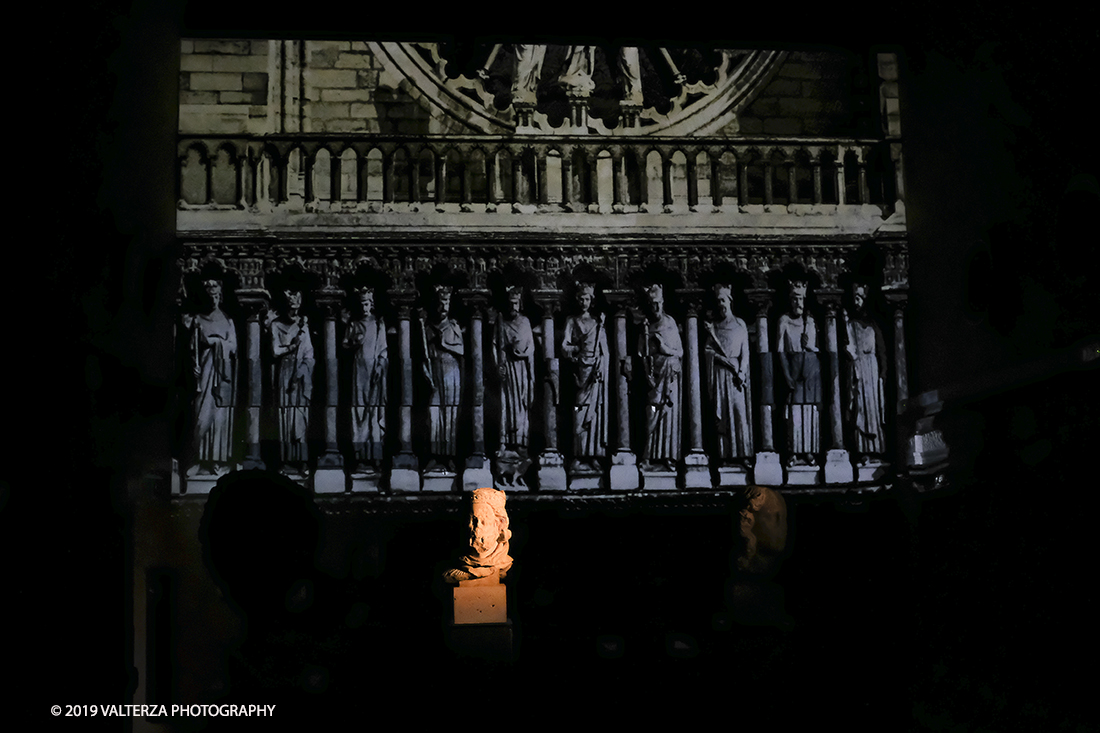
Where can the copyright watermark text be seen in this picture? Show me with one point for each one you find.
(162, 711)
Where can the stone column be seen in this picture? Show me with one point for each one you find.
(624, 465)
(551, 463)
(329, 477)
(838, 465)
(254, 390)
(696, 464)
(404, 473)
(477, 474)
(768, 470)
(898, 301)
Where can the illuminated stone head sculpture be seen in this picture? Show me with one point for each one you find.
(489, 537)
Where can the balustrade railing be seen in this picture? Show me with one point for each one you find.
(544, 173)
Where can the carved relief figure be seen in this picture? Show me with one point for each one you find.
(662, 351)
(292, 353)
(514, 354)
(865, 354)
(442, 369)
(489, 538)
(796, 343)
(214, 364)
(365, 339)
(727, 364)
(584, 345)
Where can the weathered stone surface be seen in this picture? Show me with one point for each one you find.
(761, 525)
(487, 556)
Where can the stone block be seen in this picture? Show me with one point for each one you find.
(404, 479)
(364, 110)
(624, 472)
(254, 81)
(187, 97)
(356, 96)
(838, 467)
(797, 67)
(697, 471)
(322, 57)
(732, 476)
(366, 79)
(199, 484)
(888, 66)
(889, 89)
(586, 481)
(250, 98)
(751, 125)
(261, 47)
(366, 482)
(338, 125)
(480, 604)
(658, 481)
(195, 62)
(328, 110)
(782, 126)
(360, 46)
(257, 110)
(331, 78)
(440, 482)
(872, 471)
(222, 46)
(238, 63)
(351, 60)
(768, 470)
(781, 87)
(329, 481)
(187, 47)
(216, 82)
(799, 107)
(803, 475)
(476, 478)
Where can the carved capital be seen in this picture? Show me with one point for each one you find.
(761, 300)
(548, 300)
(829, 298)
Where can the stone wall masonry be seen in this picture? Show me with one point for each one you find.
(223, 85)
(809, 95)
(341, 79)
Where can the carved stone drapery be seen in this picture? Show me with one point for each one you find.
(330, 262)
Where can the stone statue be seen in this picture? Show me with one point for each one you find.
(631, 70)
(514, 356)
(662, 351)
(727, 363)
(214, 364)
(292, 383)
(365, 338)
(442, 369)
(796, 344)
(526, 72)
(865, 354)
(576, 79)
(489, 536)
(584, 345)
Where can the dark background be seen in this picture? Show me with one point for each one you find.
(969, 611)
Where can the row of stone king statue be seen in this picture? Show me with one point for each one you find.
(655, 387)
